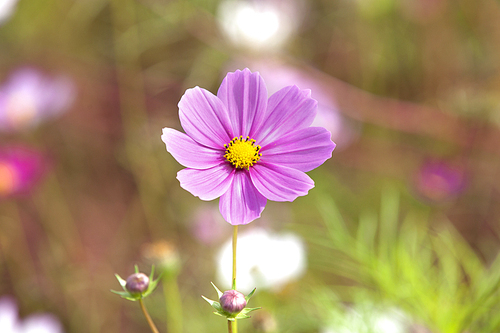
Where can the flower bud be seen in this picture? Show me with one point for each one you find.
(137, 283)
(233, 301)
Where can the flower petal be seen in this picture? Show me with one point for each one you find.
(207, 184)
(205, 118)
(190, 153)
(303, 150)
(289, 109)
(242, 203)
(245, 96)
(279, 183)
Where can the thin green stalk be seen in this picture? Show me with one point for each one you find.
(235, 237)
(233, 326)
(173, 303)
(148, 317)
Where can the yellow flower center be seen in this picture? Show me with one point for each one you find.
(242, 153)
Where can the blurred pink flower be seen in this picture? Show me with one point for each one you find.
(29, 97)
(37, 323)
(278, 75)
(20, 169)
(438, 181)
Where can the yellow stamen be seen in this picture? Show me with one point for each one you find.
(242, 153)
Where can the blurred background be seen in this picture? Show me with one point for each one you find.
(400, 234)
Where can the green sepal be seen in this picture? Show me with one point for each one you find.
(247, 298)
(243, 314)
(135, 297)
(216, 305)
(124, 294)
(219, 293)
(121, 281)
(152, 283)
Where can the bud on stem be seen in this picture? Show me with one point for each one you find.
(233, 301)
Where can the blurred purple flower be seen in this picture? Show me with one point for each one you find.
(438, 181)
(37, 323)
(28, 97)
(20, 169)
(7, 8)
(246, 149)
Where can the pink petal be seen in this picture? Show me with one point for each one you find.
(289, 109)
(280, 183)
(205, 118)
(190, 153)
(242, 203)
(245, 96)
(303, 150)
(207, 184)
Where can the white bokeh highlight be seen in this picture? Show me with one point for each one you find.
(264, 260)
(36, 323)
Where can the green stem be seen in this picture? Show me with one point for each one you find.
(148, 318)
(233, 326)
(173, 303)
(235, 237)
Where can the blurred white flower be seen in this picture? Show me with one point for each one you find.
(367, 319)
(7, 8)
(264, 260)
(28, 97)
(37, 323)
(258, 25)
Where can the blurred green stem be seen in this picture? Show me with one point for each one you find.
(235, 238)
(148, 318)
(14, 249)
(143, 163)
(173, 303)
(233, 326)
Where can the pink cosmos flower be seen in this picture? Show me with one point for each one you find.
(245, 148)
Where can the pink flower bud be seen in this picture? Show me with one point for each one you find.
(233, 301)
(137, 283)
